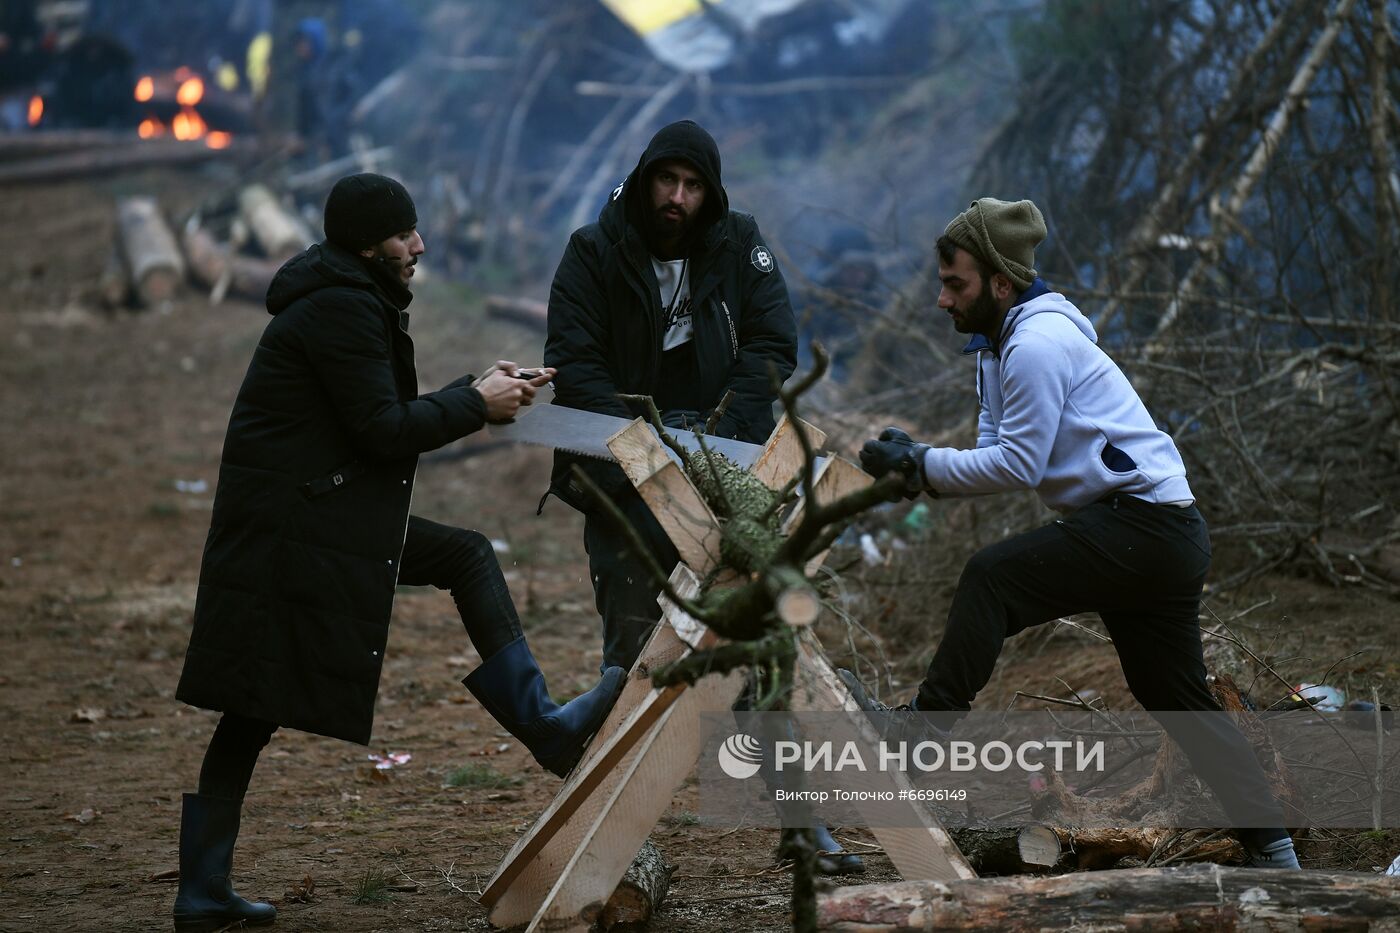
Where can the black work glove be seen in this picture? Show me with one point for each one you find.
(682, 419)
(896, 451)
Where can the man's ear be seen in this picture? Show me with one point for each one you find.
(1002, 286)
(367, 253)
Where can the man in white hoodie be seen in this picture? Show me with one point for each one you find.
(1057, 415)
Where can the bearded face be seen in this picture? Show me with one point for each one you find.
(677, 194)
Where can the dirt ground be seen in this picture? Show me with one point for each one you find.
(110, 433)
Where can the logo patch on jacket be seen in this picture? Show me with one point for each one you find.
(762, 259)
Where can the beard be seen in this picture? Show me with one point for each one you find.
(980, 316)
(665, 226)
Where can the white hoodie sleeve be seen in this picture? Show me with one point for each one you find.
(1035, 381)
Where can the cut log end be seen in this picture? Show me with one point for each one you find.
(640, 893)
(798, 606)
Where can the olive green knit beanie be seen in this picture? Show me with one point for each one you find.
(1004, 233)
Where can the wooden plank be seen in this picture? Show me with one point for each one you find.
(663, 760)
(529, 871)
(672, 639)
(782, 452)
(919, 853)
(667, 491)
(836, 477)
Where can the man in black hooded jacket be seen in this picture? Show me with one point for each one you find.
(311, 533)
(673, 295)
(670, 294)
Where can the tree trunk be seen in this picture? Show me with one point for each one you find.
(1200, 897)
(83, 163)
(640, 892)
(279, 233)
(152, 257)
(525, 311)
(1033, 848)
(224, 272)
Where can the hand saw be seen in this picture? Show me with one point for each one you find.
(587, 433)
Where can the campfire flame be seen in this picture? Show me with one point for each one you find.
(187, 124)
(36, 110)
(191, 92)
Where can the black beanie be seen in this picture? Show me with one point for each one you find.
(366, 209)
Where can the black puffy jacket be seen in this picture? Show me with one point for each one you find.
(315, 480)
(606, 319)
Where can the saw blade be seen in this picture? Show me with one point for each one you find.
(587, 432)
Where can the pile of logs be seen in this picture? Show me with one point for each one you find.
(150, 263)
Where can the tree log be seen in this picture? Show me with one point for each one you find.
(86, 162)
(279, 233)
(1011, 851)
(1199, 897)
(152, 258)
(219, 269)
(640, 892)
(525, 311)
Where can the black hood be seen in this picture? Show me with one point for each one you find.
(327, 265)
(686, 140)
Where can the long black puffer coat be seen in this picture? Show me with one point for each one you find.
(312, 504)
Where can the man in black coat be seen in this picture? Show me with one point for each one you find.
(311, 533)
(670, 294)
(673, 295)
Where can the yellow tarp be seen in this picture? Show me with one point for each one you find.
(647, 16)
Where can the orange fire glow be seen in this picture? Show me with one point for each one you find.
(191, 92)
(145, 89)
(188, 124)
(36, 110)
(150, 128)
(218, 140)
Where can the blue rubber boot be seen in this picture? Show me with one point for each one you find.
(206, 900)
(511, 687)
(835, 860)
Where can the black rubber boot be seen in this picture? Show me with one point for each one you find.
(206, 901)
(511, 687)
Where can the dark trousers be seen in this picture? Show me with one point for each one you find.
(454, 559)
(622, 585)
(1141, 566)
